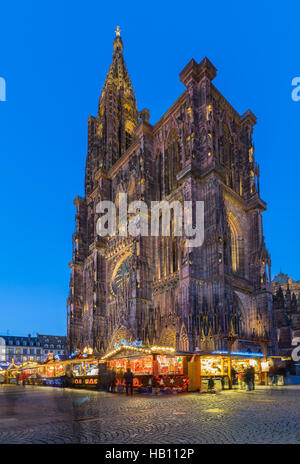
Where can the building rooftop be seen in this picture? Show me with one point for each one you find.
(281, 278)
(25, 341)
(284, 279)
(52, 339)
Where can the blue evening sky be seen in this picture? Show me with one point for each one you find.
(54, 57)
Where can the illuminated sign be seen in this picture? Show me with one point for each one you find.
(265, 366)
(239, 353)
(91, 381)
(123, 342)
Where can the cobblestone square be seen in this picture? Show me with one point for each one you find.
(49, 415)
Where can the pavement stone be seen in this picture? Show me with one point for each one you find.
(52, 415)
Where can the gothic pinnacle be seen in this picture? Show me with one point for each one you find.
(118, 44)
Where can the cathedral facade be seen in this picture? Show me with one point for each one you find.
(157, 289)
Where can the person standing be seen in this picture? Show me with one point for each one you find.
(210, 384)
(128, 376)
(252, 377)
(112, 381)
(247, 377)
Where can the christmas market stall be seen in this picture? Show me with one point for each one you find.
(51, 373)
(83, 370)
(12, 372)
(224, 368)
(157, 368)
(80, 370)
(21, 372)
(4, 365)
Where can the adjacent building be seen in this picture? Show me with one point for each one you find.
(286, 303)
(55, 344)
(21, 349)
(158, 289)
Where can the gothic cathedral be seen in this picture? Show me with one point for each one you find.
(157, 289)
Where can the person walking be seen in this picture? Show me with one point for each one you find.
(128, 376)
(23, 378)
(240, 380)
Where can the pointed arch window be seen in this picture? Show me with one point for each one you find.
(172, 162)
(236, 242)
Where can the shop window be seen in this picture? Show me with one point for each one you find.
(60, 370)
(78, 369)
(92, 369)
(141, 365)
(170, 364)
(212, 366)
(50, 371)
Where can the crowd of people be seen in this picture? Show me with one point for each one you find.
(245, 378)
(108, 381)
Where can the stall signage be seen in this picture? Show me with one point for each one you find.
(123, 342)
(265, 367)
(91, 381)
(54, 382)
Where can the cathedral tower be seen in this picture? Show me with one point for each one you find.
(156, 288)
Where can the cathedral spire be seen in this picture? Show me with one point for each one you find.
(117, 110)
(118, 43)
